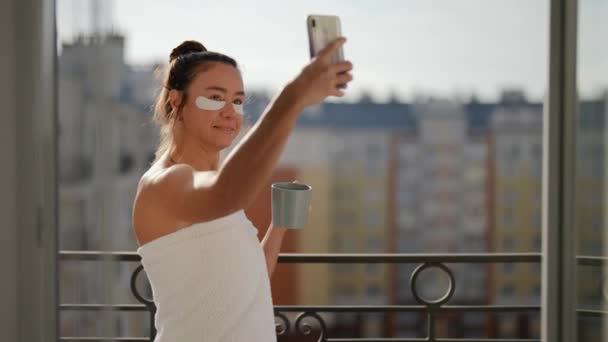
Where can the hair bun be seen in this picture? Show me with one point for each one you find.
(186, 47)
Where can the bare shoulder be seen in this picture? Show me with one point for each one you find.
(163, 200)
(151, 216)
(158, 179)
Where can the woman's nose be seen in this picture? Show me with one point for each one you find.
(228, 111)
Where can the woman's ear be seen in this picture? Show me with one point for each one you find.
(175, 99)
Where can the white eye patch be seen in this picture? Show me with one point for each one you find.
(209, 104)
(205, 103)
(239, 108)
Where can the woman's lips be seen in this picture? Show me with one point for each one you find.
(227, 129)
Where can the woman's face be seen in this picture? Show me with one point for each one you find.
(215, 128)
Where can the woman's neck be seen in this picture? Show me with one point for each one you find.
(199, 157)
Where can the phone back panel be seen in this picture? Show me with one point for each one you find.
(322, 29)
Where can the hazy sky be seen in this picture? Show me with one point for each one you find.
(441, 47)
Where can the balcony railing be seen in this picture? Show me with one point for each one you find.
(301, 326)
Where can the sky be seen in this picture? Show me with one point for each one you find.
(448, 48)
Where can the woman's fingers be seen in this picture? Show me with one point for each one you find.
(341, 67)
(344, 78)
(337, 92)
(321, 78)
(342, 75)
(325, 54)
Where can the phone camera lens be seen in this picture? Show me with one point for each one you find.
(314, 23)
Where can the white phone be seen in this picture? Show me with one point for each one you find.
(322, 29)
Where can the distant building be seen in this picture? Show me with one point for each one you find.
(441, 206)
(401, 178)
(516, 170)
(590, 209)
(104, 147)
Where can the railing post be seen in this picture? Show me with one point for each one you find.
(152, 326)
(431, 326)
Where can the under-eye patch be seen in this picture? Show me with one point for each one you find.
(205, 103)
(238, 108)
(209, 104)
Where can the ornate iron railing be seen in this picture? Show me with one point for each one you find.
(301, 326)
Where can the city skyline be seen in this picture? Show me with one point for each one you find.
(405, 48)
(476, 48)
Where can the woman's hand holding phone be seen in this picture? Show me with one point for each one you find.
(321, 78)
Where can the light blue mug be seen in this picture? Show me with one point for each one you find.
(290, 203)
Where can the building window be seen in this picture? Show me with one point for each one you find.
(597, 223)
(374, 168)
(344, 243)
(510, 198)
(537, 242)
(342, 193)
(508, 217)
(475, 175)
(373, 152)
(372, 269)
(374, 245)
(406, 220)
(373, 291)
(513, 153)
(374, 195)
(507, 326)
(344, 268)
(125, 162)
(406, 197)
(374, 220)
(508, 290)
(537, 220)
(508, 244)
(118, 326)
(537, 168)
(345, 219)
(536, 291)
(345, 290)
(474, 318)
(536, 268)
(536, 151)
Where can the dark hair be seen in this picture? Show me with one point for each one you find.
(185, 62)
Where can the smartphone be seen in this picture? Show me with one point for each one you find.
(322, 29)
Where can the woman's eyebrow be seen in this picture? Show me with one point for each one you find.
(224, 90)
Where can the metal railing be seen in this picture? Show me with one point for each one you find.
(301, 326)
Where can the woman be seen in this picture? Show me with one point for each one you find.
(208, 271)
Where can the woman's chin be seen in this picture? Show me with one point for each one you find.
(223, 143)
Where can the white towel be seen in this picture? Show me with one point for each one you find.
(210, 283)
